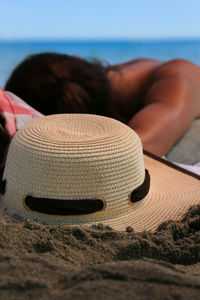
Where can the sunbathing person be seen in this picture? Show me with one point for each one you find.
(159, 100)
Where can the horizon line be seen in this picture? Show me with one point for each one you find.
(100, 39)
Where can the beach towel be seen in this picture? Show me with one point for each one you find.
(187, 149)
(16, 112)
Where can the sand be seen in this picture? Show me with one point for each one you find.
(97, 262)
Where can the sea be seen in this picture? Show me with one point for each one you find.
(108, 51)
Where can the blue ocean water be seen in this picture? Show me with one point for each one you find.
(111, 52)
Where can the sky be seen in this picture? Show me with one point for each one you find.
(99, 19)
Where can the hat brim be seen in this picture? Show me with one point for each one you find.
(172, 191)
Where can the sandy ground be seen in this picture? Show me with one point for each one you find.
(62, 262)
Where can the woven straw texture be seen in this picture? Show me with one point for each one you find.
(73, 156)
(171, 194)
(79, 156)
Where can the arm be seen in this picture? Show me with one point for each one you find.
(171, 104)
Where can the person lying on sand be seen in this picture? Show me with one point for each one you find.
(159, 100)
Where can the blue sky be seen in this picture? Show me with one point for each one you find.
(99, 19)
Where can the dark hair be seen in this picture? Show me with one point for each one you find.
(59, 83)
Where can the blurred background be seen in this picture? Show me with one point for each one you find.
(111, 30)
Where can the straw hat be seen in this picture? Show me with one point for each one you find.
(87, 169)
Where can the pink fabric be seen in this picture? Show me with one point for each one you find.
(17, 113)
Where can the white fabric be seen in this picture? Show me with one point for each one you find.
(192, 168)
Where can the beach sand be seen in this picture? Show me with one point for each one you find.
(62, 262)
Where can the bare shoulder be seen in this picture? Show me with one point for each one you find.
(178, 67)
(136, 62)
(179, 79)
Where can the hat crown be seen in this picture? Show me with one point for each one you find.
(74, 157)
